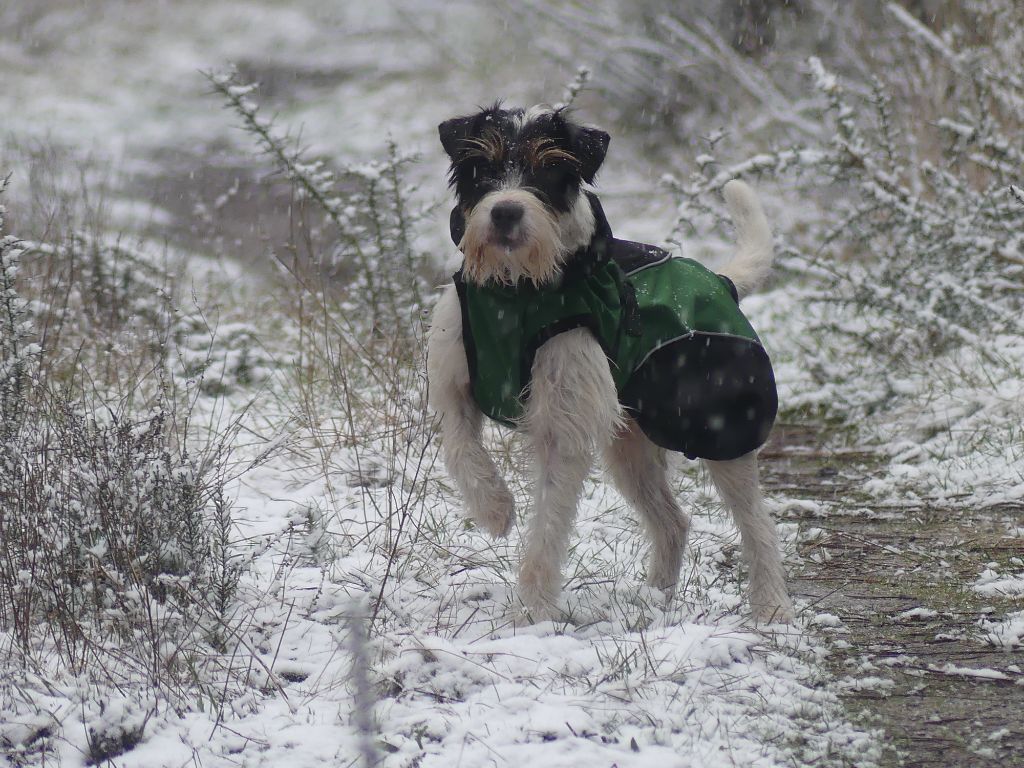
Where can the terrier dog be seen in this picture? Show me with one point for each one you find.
(553, 326)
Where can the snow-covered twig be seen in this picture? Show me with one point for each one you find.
(574, 88)
(922, 33)
(363, 699)
(936, 243)
(369, 213)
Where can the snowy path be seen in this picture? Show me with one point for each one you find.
(923, 606)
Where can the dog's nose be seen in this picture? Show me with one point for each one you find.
(506, 215)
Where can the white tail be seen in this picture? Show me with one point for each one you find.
(753, 259)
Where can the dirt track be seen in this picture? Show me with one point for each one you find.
(918, 677)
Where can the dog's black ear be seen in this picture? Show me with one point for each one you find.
(457, 225)
(589, 145)
(453, 132)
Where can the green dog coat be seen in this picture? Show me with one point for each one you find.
(686, 363)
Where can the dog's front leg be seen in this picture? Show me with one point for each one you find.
(488, 501)
(572, 408)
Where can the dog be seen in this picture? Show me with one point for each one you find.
(532, 232)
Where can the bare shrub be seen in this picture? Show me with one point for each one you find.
(686, 67)
(359, 286)
(115, 552)
(368, 255)
(910, 243)
(932, 250)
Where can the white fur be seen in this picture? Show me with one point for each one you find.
(754, 256)
(487, 498)
(639, 470)
(544, 239)
(533, 113)
(536, 257)
(576, 227)
(572, 410)
(738, 485)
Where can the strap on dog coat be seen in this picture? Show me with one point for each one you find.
(685, 361)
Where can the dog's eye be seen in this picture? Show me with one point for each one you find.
(484, 172)
(480, 173)
(475, 180)
(554, 176)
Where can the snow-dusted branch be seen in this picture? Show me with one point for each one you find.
(574, 88)
(370, 211)
(939, 248)
(925, 35)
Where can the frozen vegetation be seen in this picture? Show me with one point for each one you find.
(225, 534)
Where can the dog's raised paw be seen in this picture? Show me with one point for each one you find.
(493, 509)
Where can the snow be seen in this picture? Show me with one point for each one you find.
(882, 685)
(917, 614)
(458, 680)
(1006, 633)
(627, 681)
(980, 673)
(992, 582)
(964, 447)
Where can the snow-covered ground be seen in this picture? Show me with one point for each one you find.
(117, 85)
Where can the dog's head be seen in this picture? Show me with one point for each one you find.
(518, 177)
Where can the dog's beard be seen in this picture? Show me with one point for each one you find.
(534, 254)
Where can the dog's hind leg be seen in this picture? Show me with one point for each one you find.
(639, 470)
(488, 500)
(572, 408)
(737, 482)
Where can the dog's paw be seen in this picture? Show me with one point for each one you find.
(493, 509)
(659, 595)
(538, 590)
(768, 596)
(663, 580)
(777, 611)
(525, 616)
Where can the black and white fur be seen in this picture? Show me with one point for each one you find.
(519, 177)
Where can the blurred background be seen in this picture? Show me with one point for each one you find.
(110, 92)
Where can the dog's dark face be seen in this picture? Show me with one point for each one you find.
(518, 177)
